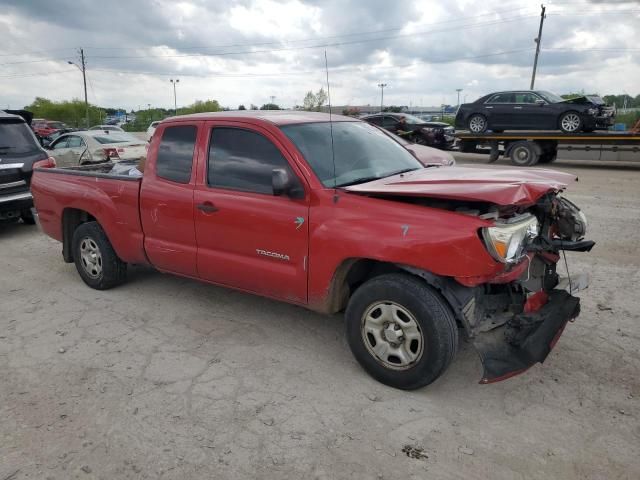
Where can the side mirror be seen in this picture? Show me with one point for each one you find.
(541, 102)
(284, 184)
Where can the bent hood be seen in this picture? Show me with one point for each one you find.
(507, 186)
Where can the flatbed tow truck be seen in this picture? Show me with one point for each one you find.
(526, 148)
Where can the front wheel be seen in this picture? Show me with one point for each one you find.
(570, 122)
(401, 331)
(96, 260)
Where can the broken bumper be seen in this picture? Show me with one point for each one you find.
(526, 339)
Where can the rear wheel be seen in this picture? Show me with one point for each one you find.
(524, 153)
(96, 260)
(401, 331)
(570, 122)
(548, 157)
(477, 123)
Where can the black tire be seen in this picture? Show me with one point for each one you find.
(524, 153)
(570, 122)
(477, 123)
(27, 217)
(468, 146)
(548, 157)
(111, 272)
(436, 327)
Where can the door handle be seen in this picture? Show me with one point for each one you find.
(488, 107)
(207, 207)
(517, 108)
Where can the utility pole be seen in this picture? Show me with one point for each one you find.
(458, 90)
(273, 99)
(538, 40)
(382, 85)
(84, 81)
(83, 69)
(175, 102)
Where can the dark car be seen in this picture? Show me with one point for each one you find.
(433, 134)
(534, 110)
(19, 150)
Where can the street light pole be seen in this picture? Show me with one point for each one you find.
(458, 90)
(381, 85)
(83, 69)
(175, 102)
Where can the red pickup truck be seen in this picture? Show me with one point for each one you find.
(335, 216)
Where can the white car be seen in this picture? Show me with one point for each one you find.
(151, 130)
(107, 128)
(95, 146)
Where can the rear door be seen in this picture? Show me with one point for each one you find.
(500, 112)
(247, 237)
(166, 200)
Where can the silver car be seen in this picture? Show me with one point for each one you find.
(95, 146)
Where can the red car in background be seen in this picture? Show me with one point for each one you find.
(44, 128)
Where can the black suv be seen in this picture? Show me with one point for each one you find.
(19, 150)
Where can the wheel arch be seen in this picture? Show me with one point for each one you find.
(353, 272)
(71, 219)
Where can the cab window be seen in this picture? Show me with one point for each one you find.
(175, 153)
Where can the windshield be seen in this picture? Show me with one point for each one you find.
(550, 97)
(17, 138)
(116, 137)
(55, 124)
(362, 152)
(412, 119)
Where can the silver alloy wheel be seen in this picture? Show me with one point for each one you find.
(570, 122)
(477, 124)
(392, 335)
(91, 257)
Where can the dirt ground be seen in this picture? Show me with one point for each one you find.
(169, 378)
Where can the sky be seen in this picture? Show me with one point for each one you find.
(247, 51)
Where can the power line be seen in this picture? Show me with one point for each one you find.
(336, 44)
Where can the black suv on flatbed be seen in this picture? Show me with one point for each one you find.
(19, 150)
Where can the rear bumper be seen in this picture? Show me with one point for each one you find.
(526, 339)
(12, 205)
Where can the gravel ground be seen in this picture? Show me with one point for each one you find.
(170, 378)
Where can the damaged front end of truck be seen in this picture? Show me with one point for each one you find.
(515, 314)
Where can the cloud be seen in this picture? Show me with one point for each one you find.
(244, 51)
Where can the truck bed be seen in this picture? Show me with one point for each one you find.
(113, 200)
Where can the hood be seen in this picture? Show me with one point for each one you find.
(585, 100)
(507, 186)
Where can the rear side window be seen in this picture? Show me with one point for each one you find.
(16, 137)
(242, 160)
(175, 154)
(502, 98)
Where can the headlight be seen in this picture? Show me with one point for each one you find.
(592, 111)
(506, 241)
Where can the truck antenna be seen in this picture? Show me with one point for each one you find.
(333, 153)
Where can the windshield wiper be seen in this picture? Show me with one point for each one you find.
(359, 180)
(372, 178)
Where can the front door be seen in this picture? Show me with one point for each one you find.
(531, 114)
(248, 238)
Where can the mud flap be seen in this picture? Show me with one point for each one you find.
(526, 339)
